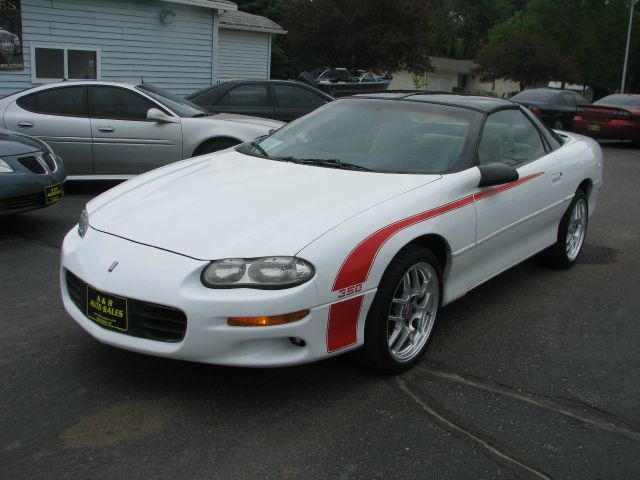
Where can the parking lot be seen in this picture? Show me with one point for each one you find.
(535, 374)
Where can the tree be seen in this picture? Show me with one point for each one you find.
(526, 59)
(382, 35)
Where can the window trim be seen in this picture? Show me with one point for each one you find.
(65, 56)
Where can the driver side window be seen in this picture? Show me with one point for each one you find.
(509, 137)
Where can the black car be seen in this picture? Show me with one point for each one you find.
(554, 107)
(31, 175)
(280, 99)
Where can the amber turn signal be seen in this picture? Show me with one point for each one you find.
(267, 321)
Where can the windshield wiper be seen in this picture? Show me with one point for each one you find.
(331, 163)
(260, 150)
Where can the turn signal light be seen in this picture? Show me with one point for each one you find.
(267, 321)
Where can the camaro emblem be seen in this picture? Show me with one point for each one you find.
(112, 267)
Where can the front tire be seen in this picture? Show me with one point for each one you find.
(402, 316)
(571, 234)
(215, 145)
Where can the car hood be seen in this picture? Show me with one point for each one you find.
(15, 144)
(231, 117)
(230, 205)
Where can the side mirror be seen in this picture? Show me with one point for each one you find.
(159, 116)
(496, 174)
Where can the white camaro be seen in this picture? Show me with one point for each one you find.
(347, 228)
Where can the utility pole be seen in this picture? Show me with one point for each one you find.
(626, 52)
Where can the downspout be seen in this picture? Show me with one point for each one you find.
(214, 45)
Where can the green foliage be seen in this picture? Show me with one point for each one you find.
(526, 59)
(419, 80)
(383, 35)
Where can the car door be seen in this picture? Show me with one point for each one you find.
(246, 99)
(124, 141)
(516, 220)
(59, 117)
(292, 101)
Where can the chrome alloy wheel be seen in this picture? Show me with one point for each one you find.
(413, 311)
(576, 229)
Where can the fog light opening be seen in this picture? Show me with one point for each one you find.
(297, 341)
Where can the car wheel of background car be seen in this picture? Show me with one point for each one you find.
(558, 124)
(214, 145)
(401, 319)
(571, 233)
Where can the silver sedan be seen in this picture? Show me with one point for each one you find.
(116, 130)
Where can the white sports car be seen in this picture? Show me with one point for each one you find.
(348, 228)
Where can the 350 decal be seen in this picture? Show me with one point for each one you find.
(345, 292)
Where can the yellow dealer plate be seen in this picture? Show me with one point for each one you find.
(107, 310)
(53, 194)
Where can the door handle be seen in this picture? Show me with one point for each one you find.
(556, 177)
(25, 124)
(107, 129)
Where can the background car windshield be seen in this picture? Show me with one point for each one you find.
(380, 135)
(535, 95)
(620, 100)
(177, 104)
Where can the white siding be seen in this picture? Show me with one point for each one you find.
(132, 41)
(243, 54)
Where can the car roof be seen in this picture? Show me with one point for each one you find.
(70, 83)
(472, 102)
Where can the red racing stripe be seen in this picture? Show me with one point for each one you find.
(357, 265)
(342, 329)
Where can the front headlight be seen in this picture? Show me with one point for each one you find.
(265, 272)
(4, 167)
(83, 224)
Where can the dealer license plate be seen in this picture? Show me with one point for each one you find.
(53, 193)
(107, 310)
(593, 128)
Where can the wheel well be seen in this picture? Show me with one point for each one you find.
(209, 141)
(437, 244)
(586, 187)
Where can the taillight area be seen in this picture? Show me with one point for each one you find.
(535, 111)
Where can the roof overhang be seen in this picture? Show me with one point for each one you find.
(212, 4)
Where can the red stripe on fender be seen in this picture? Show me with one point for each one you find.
(507, 186)
(355, 269)
(342, 329)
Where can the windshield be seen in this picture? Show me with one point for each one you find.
(620, 100)
(535, 95)
(179, 105)
(375, 135)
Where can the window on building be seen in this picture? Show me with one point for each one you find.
(60, 63)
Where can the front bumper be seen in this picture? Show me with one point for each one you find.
(165, 278)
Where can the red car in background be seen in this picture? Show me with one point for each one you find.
(612, 117)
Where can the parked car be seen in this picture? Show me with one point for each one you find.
(280, 99)
(556, 108)
(347, 228)
(613, 117)
(115, 130)
(31, 175)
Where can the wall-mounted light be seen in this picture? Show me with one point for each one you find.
(167, 16)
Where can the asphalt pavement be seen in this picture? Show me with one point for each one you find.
(535, 374)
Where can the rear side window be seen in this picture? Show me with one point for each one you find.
(289, 96)
(66, 101)
(246, 96)
(118, 104)
(509, 137)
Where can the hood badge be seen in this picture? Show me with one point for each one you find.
(112, 267)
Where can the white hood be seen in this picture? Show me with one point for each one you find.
(230, 205)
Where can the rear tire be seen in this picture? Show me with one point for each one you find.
(402, 317)
(215, 145)
(571, 234)
(558, 124)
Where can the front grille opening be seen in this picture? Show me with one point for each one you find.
(32, 164)
(146, 320)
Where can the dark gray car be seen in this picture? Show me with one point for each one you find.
(31, 175)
